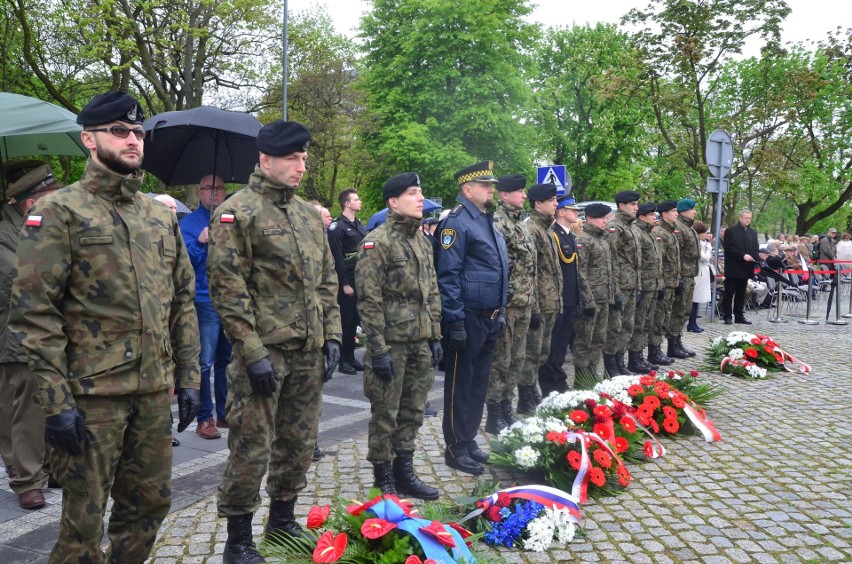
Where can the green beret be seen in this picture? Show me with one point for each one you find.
(685, 204)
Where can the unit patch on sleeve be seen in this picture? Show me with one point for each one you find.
(448, 237)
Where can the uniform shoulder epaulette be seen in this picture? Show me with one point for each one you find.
(455, 211)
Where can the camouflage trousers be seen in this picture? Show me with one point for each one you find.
(278, 432)
(662, 317)
(681, 308)
(127, 455)
(397, 406)
(590, 336)
(22, 428)
(621, 323)
(643, 320)
(537, 349)
(509, 356)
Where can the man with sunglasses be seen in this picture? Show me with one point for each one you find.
(215, 348)
(103, 301)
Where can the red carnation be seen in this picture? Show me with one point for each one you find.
(504, 499)
(590, 403)
(694, 373)
(618, 410)
(493, 514)
(597, 477)
(578, 416)
(574, 458)
(671, 373)
(652, 373)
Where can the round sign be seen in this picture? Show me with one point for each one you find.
(719, 154)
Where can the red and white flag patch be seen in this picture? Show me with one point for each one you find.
(33, 221)
(369, 244)
(227, 218)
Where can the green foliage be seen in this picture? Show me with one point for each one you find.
(443, 84)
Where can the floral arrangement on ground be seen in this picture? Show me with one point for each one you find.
(578, 441)
(384, 530)
(751, 356)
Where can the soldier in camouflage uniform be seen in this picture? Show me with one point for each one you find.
(651, 273)
(21, 419)
(670, 253)
(103, 303)
(400, 308)
(626, 258)
(598, 288)
(690, 255)
(273, 283)
(509, 355)
(548, 290)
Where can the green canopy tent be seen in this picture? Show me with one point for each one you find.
(31, 127)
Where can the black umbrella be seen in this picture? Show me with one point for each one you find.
(772, 273)
(183, 147)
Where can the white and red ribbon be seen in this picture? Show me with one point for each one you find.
(657, 449)
(797, 365)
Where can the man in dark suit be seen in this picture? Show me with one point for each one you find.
(551, 376)
(741, 249)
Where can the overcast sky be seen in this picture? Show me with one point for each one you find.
(809, 20)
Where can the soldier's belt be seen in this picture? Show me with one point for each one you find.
(489, 313)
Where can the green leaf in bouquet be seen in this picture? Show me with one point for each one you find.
(585, 379)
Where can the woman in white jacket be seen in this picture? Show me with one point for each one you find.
(701, 294)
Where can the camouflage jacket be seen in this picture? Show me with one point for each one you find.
(690, 251)
(598, 284)
(669, 252)
(548, 270)
(626, 250)
(522, 256)
(651, 267)
(10, 235)
(398, 296)
(104, 292)
(270, 271)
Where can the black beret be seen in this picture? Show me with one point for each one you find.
(111, 106)
(666, 206)
(281, 138)
(400, 183)
(541, 192)
(598, 210)
(626, 196)
(511, 182)
(645, 209)
(480, 172)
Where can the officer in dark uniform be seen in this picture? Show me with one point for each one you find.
(473, 276)
(551, 376)
(344, 236)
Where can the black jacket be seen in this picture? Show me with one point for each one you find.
(740, 241)
(568, 262)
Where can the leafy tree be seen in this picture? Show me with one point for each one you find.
(444, 87)
(588, 110)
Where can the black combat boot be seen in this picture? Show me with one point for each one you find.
(648, 366)
(691, 353)
(356, 364)
(610, 367)
(656, 356)
(345, 367)
(240, 547)
(494, 422)
(507, 413)
(526, 400)
(383, 474)
(619, 362)
(407, 482)
(674, 350)
(282, 520)
(634, 362)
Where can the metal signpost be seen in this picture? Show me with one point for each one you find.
(555, 174)
(720, 157)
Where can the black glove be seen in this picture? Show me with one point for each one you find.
(639, 296)
(437, 352)
(189, 402)
(661, 294)
(617, 303)
(501, 323)
(589, 312)
(263, 377)
(383, 366)
(535, 321)
(66, 431)
(331, 350)
(679, 289)
(458, 337)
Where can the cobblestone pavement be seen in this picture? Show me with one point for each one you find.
(776, 489)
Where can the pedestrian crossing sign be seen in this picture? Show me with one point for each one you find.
(556, 175)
